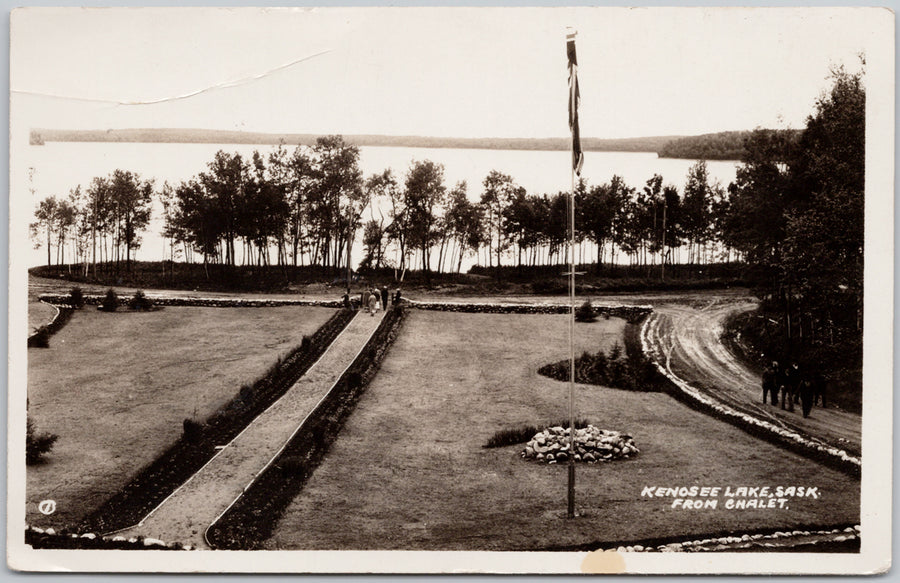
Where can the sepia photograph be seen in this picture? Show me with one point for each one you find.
(512, 290)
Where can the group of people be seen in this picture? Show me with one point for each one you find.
(794, 385)
(373, 300)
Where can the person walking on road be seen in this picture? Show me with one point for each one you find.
(768, 383)
(791, 386)
(806, 394)
(819, 386)
(782, 384)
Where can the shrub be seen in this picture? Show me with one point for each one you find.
(306, 343)
(37, 444)
(140, 302)
(110, 301)
(585, 312)
(192, 429)
(76, 298)
(522, 434)
(627, 369)
(222, 417)
(40, 339)
(548, 287)
(292, 465)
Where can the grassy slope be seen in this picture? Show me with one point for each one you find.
(409, 472)
(116, 388)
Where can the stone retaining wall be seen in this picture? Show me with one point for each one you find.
(629, 313)
(95, 300)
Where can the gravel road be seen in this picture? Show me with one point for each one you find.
(689, 333)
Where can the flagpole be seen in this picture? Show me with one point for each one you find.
(571, 506)
(575, 167)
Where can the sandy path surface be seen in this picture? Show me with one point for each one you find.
(186, 514)
(689, 334)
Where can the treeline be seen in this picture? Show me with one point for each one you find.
(307, 207)
(796, 211)
(718, 146)
(102, 223)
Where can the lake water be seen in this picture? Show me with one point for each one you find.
(61, 166)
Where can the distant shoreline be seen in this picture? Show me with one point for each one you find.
(651, 144)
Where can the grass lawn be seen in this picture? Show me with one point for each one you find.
(117, 387)
(409, 472)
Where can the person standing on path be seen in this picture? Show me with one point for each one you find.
(781, 384)
(791, 386)
(806, 394)
(384, 297)
(366, 296)
(372, 303)
(768, 383)
(819, 386)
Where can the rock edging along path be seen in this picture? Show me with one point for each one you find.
(185, 515)
(209, 302)
(629, 313)
(803, 444)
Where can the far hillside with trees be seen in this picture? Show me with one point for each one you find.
(717, 146)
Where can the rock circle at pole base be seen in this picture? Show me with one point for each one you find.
(592, 445)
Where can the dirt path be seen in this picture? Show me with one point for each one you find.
(690, 337)
(186, 514)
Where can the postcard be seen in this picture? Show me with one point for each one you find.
(451, 290)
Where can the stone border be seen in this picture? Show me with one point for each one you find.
(630, 313)
(40, 538)
(727, 543)
(695, 398)
(96, 300)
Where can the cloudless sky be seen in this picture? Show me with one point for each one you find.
(473, 72)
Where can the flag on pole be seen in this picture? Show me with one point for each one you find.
(574, 102)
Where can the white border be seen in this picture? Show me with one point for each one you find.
(877, 413)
